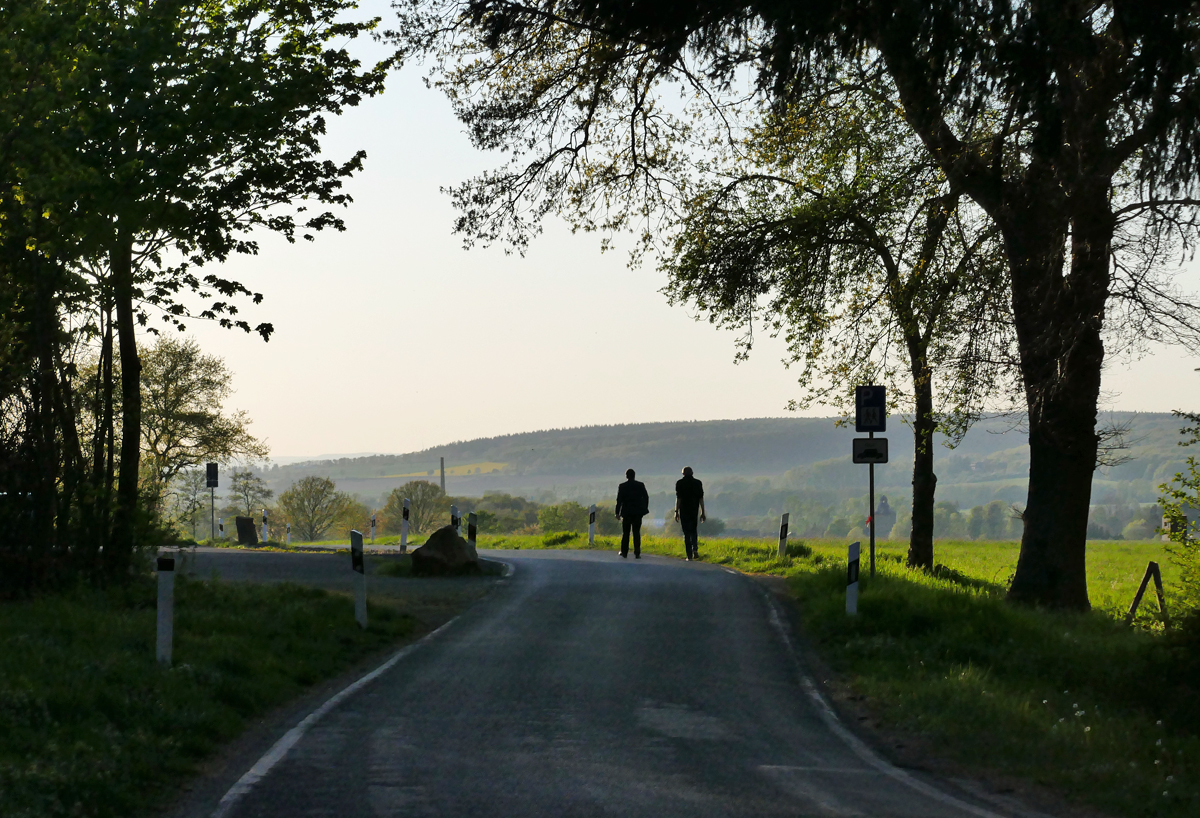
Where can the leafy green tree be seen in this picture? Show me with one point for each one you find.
(312, 505)
(190, 496)
(203, 124)
(868, 263)
(1074, 126)
(428, 505)
(249, 493)
(183, 424)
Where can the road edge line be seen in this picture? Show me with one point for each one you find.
(858, 746)
(280, 748)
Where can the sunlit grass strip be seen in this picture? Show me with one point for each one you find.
(91, 726)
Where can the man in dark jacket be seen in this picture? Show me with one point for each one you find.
(689, 502)
(633, 503)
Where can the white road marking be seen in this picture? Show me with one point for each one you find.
(280, 749)
(856, 745)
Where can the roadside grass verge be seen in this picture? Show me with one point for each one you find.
(91, 726)
(1105, 714)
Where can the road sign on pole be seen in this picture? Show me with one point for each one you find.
(211, 483)
(869, 450)
(870, 409)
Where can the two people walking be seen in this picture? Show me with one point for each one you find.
(633, 503)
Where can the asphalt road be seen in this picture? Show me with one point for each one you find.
(587, 685)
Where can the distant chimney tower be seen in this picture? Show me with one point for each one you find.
(443, 474)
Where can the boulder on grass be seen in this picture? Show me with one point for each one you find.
(445, 554)
(246, 530)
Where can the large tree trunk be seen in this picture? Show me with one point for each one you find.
(120, 549)
(1059, 320)
(924, 481)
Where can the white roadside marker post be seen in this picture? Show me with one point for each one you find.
(852, 579)
(783, 532)
(471, 529)
(592, 525)
(455, 520)
(221, 527)
(289, 533)
(166, 610)
(264, 515)
(360, 583)
(404, 528)
(372, 528)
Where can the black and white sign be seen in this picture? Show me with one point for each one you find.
(852, 578)
(356, 551)
(870, 409)
(870, 450)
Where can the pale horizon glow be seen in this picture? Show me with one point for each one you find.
(390, 337)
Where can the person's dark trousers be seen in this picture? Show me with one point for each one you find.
(631, 524)
(690, 536)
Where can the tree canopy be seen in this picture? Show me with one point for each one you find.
(1073, 126)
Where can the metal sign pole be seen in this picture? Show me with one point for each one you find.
(872, 512)
(212, 514)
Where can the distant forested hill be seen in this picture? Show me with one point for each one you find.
(805, 454)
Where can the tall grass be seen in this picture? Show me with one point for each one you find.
(91, 726)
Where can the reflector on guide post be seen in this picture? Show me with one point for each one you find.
(870, 450)
(471, 528)
(592, 524)
(783, 534)
(360, 582)
(870, 409)
(852, 579)
(404, 528)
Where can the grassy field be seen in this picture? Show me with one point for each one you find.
(90, 725)
(1101, 713)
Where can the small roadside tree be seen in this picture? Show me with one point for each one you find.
(427, 504)
(249, 492)
(313, 504)
(183, 423)
(190, 488)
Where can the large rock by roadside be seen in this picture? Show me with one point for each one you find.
(247, 532)
(445, 553)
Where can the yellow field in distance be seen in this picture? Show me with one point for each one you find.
(455, 471)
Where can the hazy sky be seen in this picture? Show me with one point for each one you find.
(390, 337)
